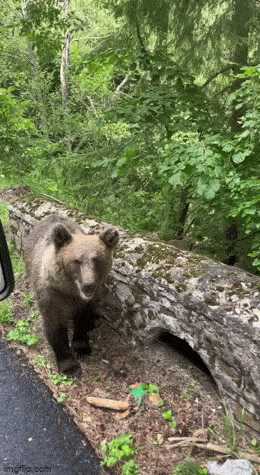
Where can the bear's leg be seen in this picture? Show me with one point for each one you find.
(84, 321)
(57, 336)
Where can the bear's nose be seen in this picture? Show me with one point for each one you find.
(88, 288)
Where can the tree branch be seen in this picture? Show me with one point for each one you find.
(122, 84)
(222, 71)
(92, 105)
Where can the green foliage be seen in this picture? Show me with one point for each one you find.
(156, 118)
(169, 417)
(22, 334)
(4, 214)
(28, 299)
(34, 316)
(17, 261)
(189, 468)
(41, 361)
(60, 379)
(44, 25)
(255, 445)
(130, 468)
(152, 388)
(120, 449)
(230, 431)
(62, 397)
(15, 132)
(56, 378)
(142, 390)
(6, 314)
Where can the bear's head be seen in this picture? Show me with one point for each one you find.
(85, 259)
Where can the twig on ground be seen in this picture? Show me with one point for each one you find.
(213, 448)
(108, 403)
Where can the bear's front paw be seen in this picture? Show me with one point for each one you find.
(70, 367)
(81, 348)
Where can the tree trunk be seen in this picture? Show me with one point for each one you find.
(65, 60)
(241, 28)
(184, 205)
(156, 288)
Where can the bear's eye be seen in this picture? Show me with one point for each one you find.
(77, 262)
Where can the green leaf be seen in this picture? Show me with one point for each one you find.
(152, 389)
(167, 415)
(176, 179)
(228, 147)
(130, 468)
(139, 392)
(239, 157)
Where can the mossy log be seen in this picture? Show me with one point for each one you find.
(155, 287)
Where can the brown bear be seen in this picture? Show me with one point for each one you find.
(67, 269)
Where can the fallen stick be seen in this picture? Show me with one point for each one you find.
(187, 439)
(214, 448)
(108, 403)
(224, 450)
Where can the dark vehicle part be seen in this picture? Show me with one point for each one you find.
(6, 270)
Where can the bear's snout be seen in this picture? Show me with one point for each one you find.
(89, 289)
(86, 290)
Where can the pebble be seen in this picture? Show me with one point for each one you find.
(231, 467)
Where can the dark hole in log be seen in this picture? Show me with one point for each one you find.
(184, 349)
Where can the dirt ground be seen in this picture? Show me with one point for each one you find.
(110, 370)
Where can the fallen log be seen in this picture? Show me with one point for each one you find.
(155, 287)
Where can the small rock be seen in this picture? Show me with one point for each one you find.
(231, 467)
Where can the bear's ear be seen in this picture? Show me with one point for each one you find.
(60, 236)
(110, 236)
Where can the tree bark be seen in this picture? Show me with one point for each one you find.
(241, 29)
(184, 205)
(65, 60)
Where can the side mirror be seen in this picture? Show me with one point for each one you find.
(6, 271)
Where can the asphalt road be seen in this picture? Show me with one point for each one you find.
(36, 434)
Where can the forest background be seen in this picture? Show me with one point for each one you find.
(143, 113)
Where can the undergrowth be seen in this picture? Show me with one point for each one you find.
(120, 450)
(22, 334)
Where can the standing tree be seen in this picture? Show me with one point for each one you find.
(65, 58)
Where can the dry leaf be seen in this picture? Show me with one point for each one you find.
(159, 439)
(155, 400)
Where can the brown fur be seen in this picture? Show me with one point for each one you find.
(67, 269)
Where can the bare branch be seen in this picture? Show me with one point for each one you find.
(215, 75)
(122, 84)
(92, 106)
